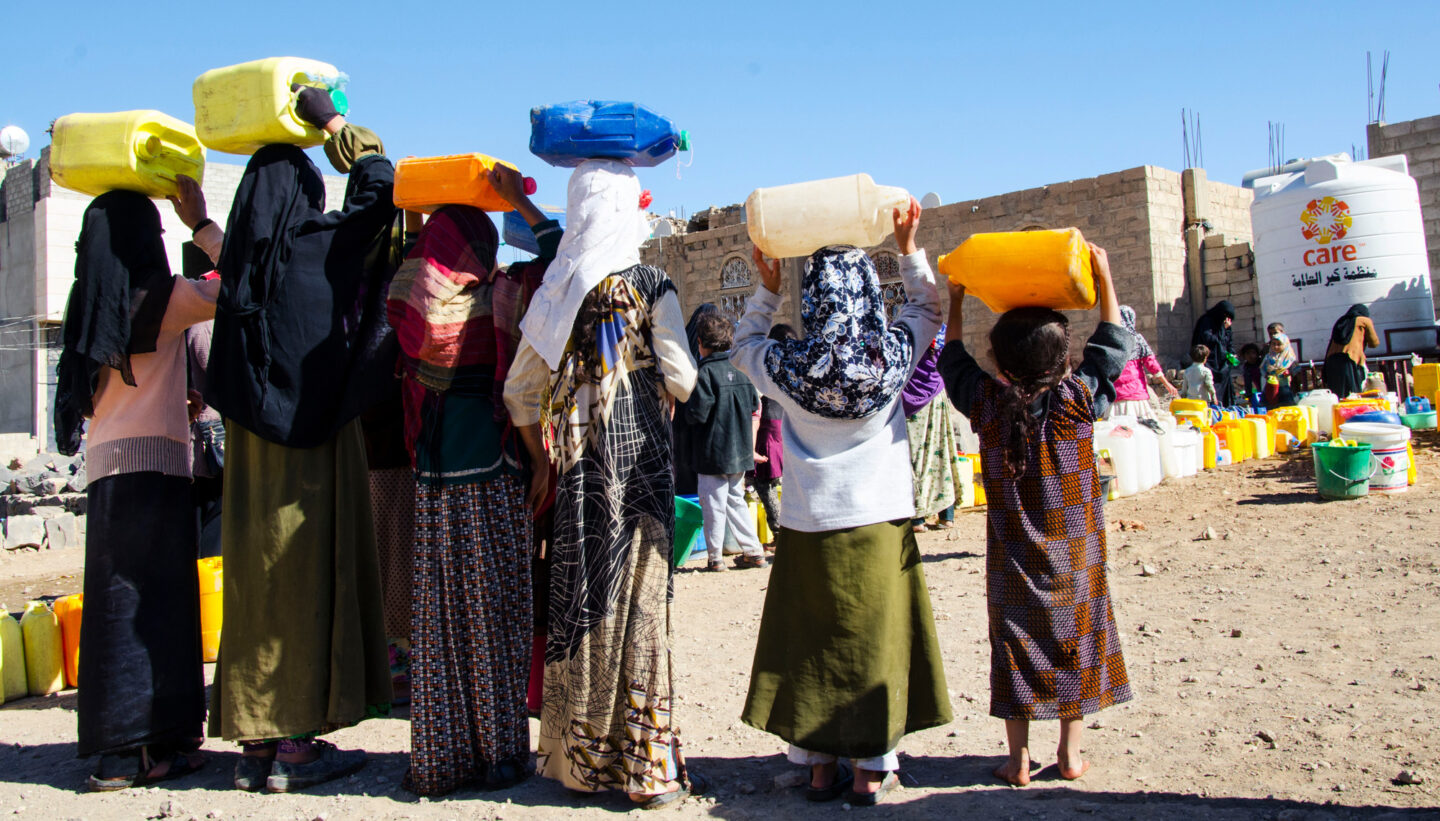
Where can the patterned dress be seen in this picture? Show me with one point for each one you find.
(1054, 648)
(934, 458)
(609, 684)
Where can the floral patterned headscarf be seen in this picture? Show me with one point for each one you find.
(851, 363)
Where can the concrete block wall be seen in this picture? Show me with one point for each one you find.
(1230, 274)
(1419, 141)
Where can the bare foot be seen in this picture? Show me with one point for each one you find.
(1071, 773)
(1014, 773)
(868, 781)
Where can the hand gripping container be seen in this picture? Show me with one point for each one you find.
(799, 219)
(428, 183)
(567, 134)
(124, 151)
(240, 108)
(1024, 269)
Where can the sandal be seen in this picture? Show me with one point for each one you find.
(715, 567)
(840, 785)
(870, 799)
(330, 764)
(744, 562)
(177, 765)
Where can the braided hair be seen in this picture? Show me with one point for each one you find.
(1031, 346)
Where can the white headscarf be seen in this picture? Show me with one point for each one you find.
(604, 226)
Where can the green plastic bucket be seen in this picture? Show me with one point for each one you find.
(1342, 471)
(688, 523)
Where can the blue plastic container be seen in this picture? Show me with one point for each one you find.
(567, 134)
(517, 234)
(1417, 404)
(1377, 417)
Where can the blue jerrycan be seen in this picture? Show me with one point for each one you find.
(517, 234)
(566, 134)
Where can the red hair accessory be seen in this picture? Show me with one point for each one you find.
(646, 199)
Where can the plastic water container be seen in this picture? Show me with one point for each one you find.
(212, 611)
(1020, 269)
(517, 232)
(1120, 443)
(1389, 453)
(44, 650)
(965, 482)
(13, 679)
(798, 219)
(1294, 422)
(1169, 460)
(1322, 401)
(1427, 379)
(1263, 439)
(567, 134)
(1417, 404)
(1189, 446)
(124, 151)
(427, 183)
(1341, 412)
(1178, 405)
(241, 108)
(1210, 449)
(69, 610)
(1235, 435)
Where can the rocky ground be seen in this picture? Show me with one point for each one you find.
(1285, 668)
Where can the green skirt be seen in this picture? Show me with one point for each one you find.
(847, 661)
(302, 649)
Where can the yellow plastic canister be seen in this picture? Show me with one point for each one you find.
(212, 583)
(427, 183)
(44, 649)
(13, 681)
(124, 151)
(69, 610)
(1211, 452)
(1427, 380)
(1264, 439)
(1341, 411)
(241, 108)
(1020, 269)
(1294, 421)
(1177, 405)
(762, 524)
(1235, 436)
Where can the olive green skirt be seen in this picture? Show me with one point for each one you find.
(847, 661)
(302, 649)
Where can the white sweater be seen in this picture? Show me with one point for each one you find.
(842, 473)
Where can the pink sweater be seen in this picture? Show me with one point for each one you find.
(1132, 385)
(146, 428)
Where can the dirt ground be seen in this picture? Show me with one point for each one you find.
(1311, 624)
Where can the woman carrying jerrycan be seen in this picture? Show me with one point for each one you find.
(847, 660)
(1054, 649)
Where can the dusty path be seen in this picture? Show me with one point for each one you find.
(1315, 624)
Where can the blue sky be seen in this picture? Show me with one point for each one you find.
(962, 99)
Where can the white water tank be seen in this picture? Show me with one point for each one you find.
(1337, 233)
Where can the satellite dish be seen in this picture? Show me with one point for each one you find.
(13, 141)
(930, 200)
(662, 228)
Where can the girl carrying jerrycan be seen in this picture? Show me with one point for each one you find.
(1054, 649)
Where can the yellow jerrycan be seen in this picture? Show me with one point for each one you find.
(13, 681)
(1024, 269)
(241, 108)
(44, 649)
(70, 610)
(427, 183)
(124, 151)
(212, 583)
(799, 219)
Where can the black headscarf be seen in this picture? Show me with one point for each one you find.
(122, 287)
(1211, 332)
(301, 345)
(1344, 327)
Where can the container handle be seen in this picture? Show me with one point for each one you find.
(1349, 481)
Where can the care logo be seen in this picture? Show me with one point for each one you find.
(1325, 219)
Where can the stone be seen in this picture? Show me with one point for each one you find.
(62, 532)
(1409, 777)
(24, 531)
(790, 779)
(1236, 633)
(6, 477)
(29, 482)
(1208, 535)
(1148, 570)
(55, 485)
(172, 809)
(79, 481)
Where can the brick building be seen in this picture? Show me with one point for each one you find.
(1419, 141)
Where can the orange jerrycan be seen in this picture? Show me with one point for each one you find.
(124, 151)
(241, 108)
(13, 681)
(427, 183)
(69, 609)
(1021, 269)
(212, 583)
(44, 650)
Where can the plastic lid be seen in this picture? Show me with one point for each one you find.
(530, 187)
(684, 144)
(341, 101)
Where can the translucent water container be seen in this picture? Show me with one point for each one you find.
(427, 183)
(517, 232)
(14, 682)
(44, 649)
(1321, 402)
(799, 219)
(124, 151)
(69, 610)
(241, 108)
(212, 584)
(566, 134)
(1021, 269)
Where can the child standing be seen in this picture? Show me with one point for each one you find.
(1199, 381)
(1054, 648)
(719, 413)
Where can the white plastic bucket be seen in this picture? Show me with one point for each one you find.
(1389, 453)
(1187, 445)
